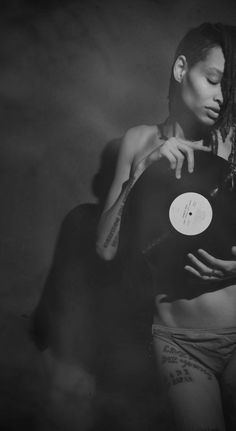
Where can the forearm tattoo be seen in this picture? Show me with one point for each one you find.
(113, 235)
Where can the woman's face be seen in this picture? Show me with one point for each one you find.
(200, 88)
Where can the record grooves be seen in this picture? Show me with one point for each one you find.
(146, 228)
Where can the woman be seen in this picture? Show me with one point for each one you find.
(194, 319)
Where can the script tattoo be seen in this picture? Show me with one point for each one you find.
(115, 240)
(112, 232)
(113, 236)
(194, 365)
(178, 376)
(181, 365)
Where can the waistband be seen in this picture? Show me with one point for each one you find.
(178, 330)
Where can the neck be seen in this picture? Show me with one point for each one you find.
(185, 128)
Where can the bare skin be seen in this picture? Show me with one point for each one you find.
(201, 92)
(193, 390)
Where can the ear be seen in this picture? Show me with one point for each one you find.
(180, 68)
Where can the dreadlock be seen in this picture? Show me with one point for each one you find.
(195, 46)
(227, 120)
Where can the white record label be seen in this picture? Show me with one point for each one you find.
(190, 213)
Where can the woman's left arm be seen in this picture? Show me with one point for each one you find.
(208, 267)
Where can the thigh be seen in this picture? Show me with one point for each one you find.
(228, 384)
(191, 389)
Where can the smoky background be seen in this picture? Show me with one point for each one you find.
(74, 75)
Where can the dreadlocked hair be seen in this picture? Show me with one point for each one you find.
(195, 46)
(228, 117)
(226, 124)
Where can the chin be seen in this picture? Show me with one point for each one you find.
(207, 121)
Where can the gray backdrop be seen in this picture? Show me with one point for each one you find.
(73, 76)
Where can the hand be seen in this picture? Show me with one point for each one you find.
(208, 267)
(176, 149)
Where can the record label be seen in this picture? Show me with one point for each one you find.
(190, 213)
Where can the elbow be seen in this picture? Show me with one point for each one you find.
(105, 253)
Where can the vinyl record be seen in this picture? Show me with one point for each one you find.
(165, 218)
(190, 213)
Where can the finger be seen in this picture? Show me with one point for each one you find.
(179, 161)
(190, 158)
(234, 250)
(195, 145)
(192, 271)
(224, 268)
(179, 165)
(196, 273)
(166, 153)
(213, 261)
(189, 155)
(200, 266)
(199, 147)
(185, 141)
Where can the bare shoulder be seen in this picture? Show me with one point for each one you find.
(140, 138)
(141, 132)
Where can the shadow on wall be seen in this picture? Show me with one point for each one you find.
(99, 363)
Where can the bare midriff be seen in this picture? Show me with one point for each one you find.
(210, 310)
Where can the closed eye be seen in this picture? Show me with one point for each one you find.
(213, 81)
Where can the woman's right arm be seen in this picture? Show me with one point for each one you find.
(109, 224)
(136, 145)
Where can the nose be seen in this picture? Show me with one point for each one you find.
(219, 96)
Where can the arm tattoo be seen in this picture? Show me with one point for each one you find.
(113, 236)
(112, 231)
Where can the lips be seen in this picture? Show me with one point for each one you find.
(213, 112)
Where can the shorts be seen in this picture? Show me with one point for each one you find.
(190, 363)
(212, 348)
